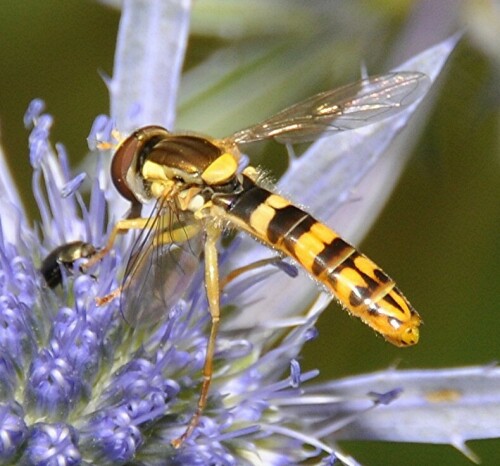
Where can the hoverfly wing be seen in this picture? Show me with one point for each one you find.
(352, 106)
(164, 260)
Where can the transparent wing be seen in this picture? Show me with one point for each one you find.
(353, 106)
(164, 260)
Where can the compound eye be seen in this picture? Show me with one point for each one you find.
(121, 163)
(131, 154)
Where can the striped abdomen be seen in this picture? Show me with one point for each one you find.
(357, 282)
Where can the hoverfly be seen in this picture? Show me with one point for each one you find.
(64, 256)
(198, 190)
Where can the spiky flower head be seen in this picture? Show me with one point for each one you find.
(81, 386)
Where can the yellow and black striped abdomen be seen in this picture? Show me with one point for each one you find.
(356, 281)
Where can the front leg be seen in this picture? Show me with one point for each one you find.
(172, 234)
(177, 234)
(121, 227)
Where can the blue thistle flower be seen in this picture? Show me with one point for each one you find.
(79, 386)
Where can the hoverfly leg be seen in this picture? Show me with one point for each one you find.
(162, 237)
(248, 268)
(213, 232)
(122, 226)
(102, 300)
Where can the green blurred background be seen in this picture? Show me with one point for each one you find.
(438, 235)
